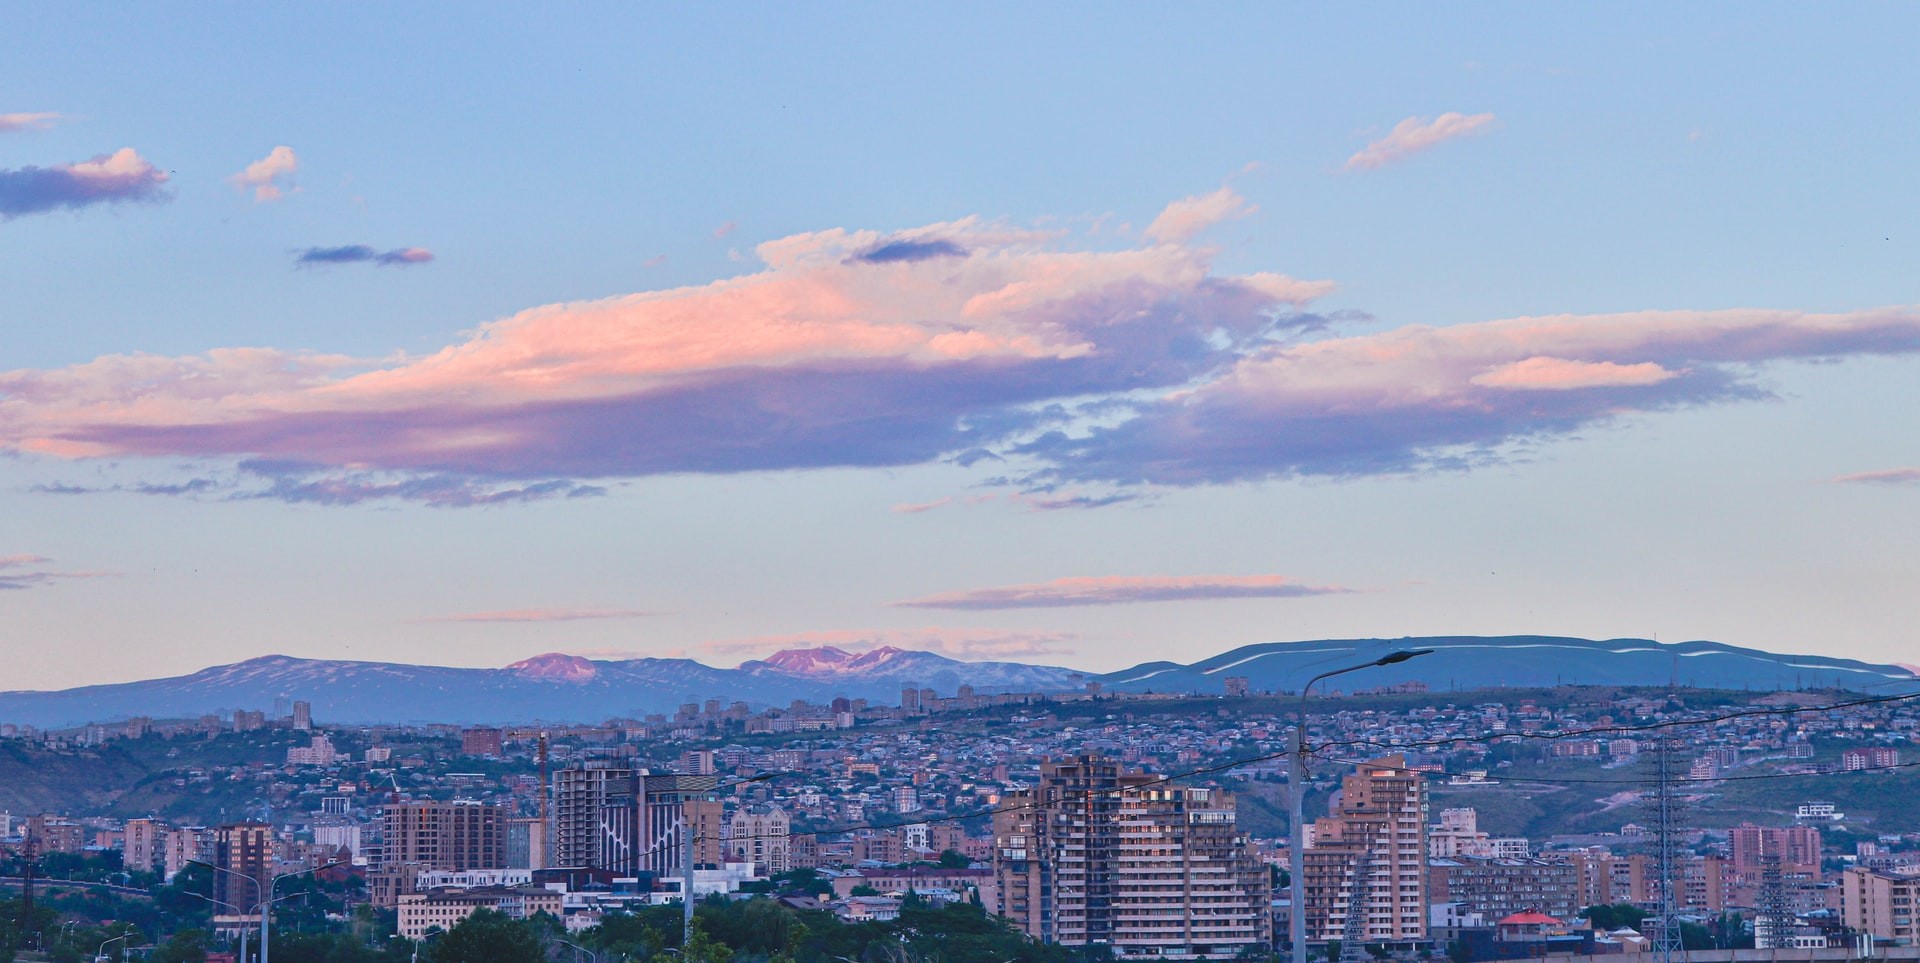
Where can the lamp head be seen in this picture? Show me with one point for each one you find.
(1401, 656)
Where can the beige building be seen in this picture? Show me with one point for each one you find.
(759, 834)
(1884, 904)
(1097, 855)
(1371, 854)
(145, 845)
(441, 909)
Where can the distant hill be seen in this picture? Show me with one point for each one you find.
(1474, 662)
(568, 688)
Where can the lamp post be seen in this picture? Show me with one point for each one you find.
(265, 892)
(100, 955)
(687, 855)
(1296, 802)
(237, 911)
(578, 949)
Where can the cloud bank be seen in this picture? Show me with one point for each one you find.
(271, 177)
(1416, 134)
(1121, 590)
(1070, 371)
(115, 178)
(1885, 476)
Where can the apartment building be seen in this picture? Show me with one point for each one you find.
(456, 835)
(1096, 855)
(1884, 904)
(1369, 856)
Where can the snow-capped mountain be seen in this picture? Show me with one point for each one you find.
(558, 687)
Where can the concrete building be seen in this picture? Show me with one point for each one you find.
(303, 715)
(629, 821)
(145, 845)
(1371, 854)
(1883, 904)
(1498, 888)
(444, 835)
(481, 741)
(1096, 855)
(243, 852)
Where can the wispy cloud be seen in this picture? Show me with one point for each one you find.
(271, 177)
(107, 179)
(1122, 590)
(1885, 476)
(543, 615)
(1184, 218)
(21, 572)
(956, 643)
(362, 254)
(1416, 134)
(725, 229)
(10, 123)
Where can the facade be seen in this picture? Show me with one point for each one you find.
(1371, 853)
(444, 835)
(1798, 848)
(145, 845)
(1096, 855)
(303, 715)
(1884, 904)
(629, 821)
(481, 741)
(1498, 888)
(420, 912)
(759, 834)
(243, 853)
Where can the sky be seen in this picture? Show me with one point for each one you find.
(1084, 335)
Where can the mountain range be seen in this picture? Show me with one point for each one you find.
(568, 688)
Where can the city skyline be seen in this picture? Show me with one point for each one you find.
(328, 336)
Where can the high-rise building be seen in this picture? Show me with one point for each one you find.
(1097, 855)
(145, 845)
(759, 834)
(1797, 846)
(628, 820)
(184, 846)
(1883, 904)
(1499, 888)
(302, 714)
(243, 855)
(456, 836)
(1370, 856)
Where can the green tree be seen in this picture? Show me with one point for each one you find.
(184, 946)
(489, 936)
(1615, 916)
(954, 859)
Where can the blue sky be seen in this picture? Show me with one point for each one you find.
(1616, 337)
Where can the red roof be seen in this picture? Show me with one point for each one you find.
(1529, 918)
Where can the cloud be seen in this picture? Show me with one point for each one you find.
(1086, 369)
(106, 179)
(1184, 218)
(822, 358)
(270, 177)
(362, 254)
(911, 250)
(21, 572)
(10, 123)
(918, 507)
(543, 615)
(1422, 398)
(1885, 476)
(1415, 134)
(972, 644)
(725, 229)
(1121, 590)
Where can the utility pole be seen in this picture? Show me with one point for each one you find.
(686, 877)
(30, 853)
(1668, 941)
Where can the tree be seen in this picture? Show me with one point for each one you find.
(185, 946)
(863, 890)
(954, 859)
(489, 936)
(1613, 917)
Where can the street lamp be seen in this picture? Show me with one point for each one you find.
(578, 949)
(1296, 802)
(100, 955)
(265, 893)
(687, 855)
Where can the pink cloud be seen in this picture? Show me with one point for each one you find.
(10, 123)
(107, 179)
(1419, 397)
(1885, 476)
(915, 508)
(971, 644)
(1560, 374)
(1416, 134)
(543, 615)
(1121, 590)
(1184, 218)
(725, 229)
(271, 177)
(847, 348)
(19, 572)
